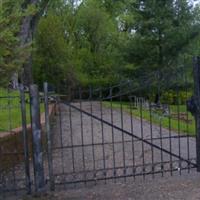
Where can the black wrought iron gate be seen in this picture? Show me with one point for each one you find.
(109, 134)
(120, 133)
(107, 138)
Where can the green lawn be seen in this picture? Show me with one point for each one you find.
(186, 124)
(10, 112)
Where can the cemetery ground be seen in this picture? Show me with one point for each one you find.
(177, 118)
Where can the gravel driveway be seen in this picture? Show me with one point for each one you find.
(186, 187)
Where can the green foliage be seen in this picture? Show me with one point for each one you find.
(162, 30)
(100, 42)
(11, 54)
(81, 46)
(51, 56)
(175, 97)
(98, 36)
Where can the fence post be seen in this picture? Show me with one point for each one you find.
(37, 140)
(49, 137)
(197, 105)
(25, 138)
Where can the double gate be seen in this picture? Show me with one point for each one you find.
(94, 136)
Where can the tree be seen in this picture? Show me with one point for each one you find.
(17, 24)
(107, 40)
(51, 58)
(28, 26)
(89, 42)
(162, 30)
(55, 51)
(98, 52)
(11, 55)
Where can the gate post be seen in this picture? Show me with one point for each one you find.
(25, 138)
(197, 106)
(37, 140)
(48, 136)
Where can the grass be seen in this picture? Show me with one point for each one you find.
(10, 112)
(185, 124)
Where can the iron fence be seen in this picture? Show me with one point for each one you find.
(14, 153)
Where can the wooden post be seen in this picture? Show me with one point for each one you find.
(37, 140)
(49, 137)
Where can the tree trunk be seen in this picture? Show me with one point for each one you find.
(26, 37)
(28, 27)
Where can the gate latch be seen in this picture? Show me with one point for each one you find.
(193, 106)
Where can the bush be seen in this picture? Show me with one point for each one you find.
(175, 97)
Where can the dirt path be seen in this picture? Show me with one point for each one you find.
(185, 187)
(174, 188)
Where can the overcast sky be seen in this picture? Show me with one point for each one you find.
(196, 1)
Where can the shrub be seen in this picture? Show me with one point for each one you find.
(175, 97)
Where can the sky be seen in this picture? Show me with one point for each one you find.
(193, 1)
(196, 1)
